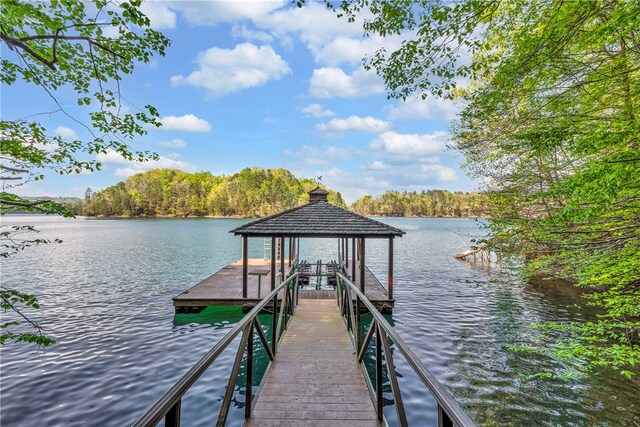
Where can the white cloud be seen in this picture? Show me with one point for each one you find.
(64, 132)
(315, 110)
(378, 165)
(410, 144)
(246, 33)
(159, 14)
(216, 12)
(335, 83)
(429, 109)
(174, 143)
(223, 71)
(353, 186)
(440, 172)
(352, 50)
(186, 123)
(126, 168)
(310, 156)
(363, 124)
(314, 24)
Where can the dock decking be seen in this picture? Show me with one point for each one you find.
(224, 287)
(315, 379)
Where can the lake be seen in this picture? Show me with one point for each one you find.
(106, 299)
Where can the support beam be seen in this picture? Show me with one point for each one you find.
(282, 259)
(362, 252)
(273, 263)
(353, 259)
(245, 265)
(390, 269)
(346, 253)
(290, 251)
(294, 258)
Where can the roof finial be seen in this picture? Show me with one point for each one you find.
(318, 194)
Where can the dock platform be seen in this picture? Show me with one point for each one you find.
(224, 288)
(315, 379)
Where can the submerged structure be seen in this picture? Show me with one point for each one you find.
(241, 283)
(329, 351)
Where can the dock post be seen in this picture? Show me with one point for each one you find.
(282, 259)
(346, 253)
(245, 266)
(362, 265)
(390, 269)
(353, 259)
(273, 264)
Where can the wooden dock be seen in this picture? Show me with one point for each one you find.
(315, 380)
(224, 287)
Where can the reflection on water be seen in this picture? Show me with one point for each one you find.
(106, 294)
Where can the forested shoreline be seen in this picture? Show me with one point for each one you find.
(253, 192)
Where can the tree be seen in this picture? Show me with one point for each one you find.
(169, 192)
(61, 45)
(550, 123)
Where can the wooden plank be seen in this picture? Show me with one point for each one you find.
(224, 287)
(315, 380)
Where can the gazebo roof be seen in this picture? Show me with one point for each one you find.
(317, 218)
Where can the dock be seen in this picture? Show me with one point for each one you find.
(224, 288)
(316, 379)
(324, 369)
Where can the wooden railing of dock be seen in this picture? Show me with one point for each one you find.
(450, 413)
(168, 407)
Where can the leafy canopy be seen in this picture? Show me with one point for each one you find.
(551, 94)
(66, 46)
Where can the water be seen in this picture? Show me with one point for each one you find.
(106, 298)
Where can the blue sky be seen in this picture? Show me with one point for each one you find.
(266, 84)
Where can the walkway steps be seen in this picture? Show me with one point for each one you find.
(315, 379)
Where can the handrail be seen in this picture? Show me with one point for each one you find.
(168, 405)
(449, 410)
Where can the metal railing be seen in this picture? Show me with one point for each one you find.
(450, 413)
(169, 405)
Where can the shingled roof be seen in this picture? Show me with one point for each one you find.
(317, 219)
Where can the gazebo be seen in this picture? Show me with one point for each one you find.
(319, 219)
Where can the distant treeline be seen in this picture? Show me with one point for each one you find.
(425, 203)
(167, 192)
(253, 192)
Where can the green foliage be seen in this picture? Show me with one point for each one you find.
(551, 125)
(167, 192)
(426, 203)
(10, 299)
(62, 45)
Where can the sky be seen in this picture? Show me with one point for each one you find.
(265, 84)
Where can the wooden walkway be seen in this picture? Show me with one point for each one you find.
(315, 379)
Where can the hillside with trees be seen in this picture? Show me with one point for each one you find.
(167, 192)
(426, 203)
